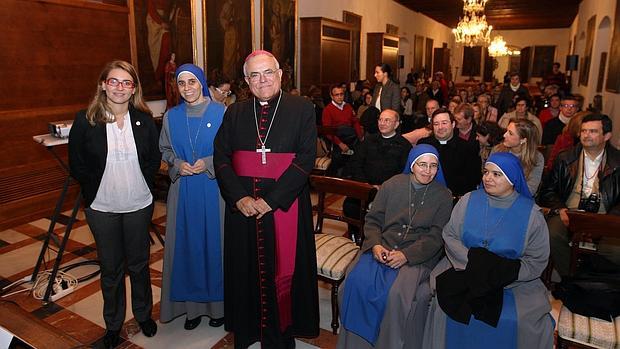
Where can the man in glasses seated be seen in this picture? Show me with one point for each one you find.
(568, 107)
(340, 114)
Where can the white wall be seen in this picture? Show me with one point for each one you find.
(375, 15)
(602, 43)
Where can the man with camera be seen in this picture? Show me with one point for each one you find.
(585, 177)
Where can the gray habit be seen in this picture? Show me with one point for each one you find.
(407, 304)
(168, 309)
(535, 324)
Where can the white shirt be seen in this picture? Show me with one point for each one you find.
(123, 187)
(339, 106)
(590, 172)
(378, 101)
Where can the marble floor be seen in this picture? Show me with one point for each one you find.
(79, 314)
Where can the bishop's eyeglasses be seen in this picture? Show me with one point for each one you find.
(267, 75)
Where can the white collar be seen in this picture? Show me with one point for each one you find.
(339, 106)
(389, 136)
(563, 118)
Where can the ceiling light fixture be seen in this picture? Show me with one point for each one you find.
(498, 48)
(473, 29)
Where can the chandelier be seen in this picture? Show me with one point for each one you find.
(473, 29)
(498, 48)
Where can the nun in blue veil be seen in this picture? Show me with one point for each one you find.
(386, 293)
(488, 292)
(192, 280)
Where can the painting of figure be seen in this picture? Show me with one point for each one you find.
(279, 18)
(229, 37)
(163, 27)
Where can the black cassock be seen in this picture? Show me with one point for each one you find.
(251, 306)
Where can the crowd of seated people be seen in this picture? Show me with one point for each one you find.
(487, 146)
(454, 242)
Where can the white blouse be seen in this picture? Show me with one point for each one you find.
(123, 187)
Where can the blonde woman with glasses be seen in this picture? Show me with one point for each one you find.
(114, 155)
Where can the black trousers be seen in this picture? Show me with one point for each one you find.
(123, 242)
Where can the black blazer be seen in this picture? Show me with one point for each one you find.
(88, 151)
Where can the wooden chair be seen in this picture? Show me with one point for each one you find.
(335, 253)
(324, 149)
(587, 230)
(576, 330)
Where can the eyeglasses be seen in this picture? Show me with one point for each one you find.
(387, 121)
(267, 74)
(426, 166)
(338, 94)
(222, 92)
(569, 105)
(190, 83)
(115, 82)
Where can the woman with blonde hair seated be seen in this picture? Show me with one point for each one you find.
(521, 139)
(488, 292)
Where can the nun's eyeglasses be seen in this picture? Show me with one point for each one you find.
(115, 82)
(426, 166)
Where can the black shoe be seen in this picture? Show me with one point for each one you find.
(148, 327)
(191, 324)
(216, 322)
(111, 339)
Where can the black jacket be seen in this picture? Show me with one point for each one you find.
(559, 183)
(460, 162)
(88, 151)
(507, 97)
(377, 159)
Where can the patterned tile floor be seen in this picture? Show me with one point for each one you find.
(79, 314)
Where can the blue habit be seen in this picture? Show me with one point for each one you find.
(197, 265)
(504, 233)
(365, 297)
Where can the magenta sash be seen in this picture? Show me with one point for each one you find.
(248, 164)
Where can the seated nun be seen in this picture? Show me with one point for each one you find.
(488, 288)
(387, 292)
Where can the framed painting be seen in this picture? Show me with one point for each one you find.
(278, 28)
(584, 70)
(228, 36)
(613, 71)
(163, 41)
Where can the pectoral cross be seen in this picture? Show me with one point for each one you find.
(263, 156)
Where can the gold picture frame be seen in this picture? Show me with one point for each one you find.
(158, 29)
(279, 27)
(228, 35)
